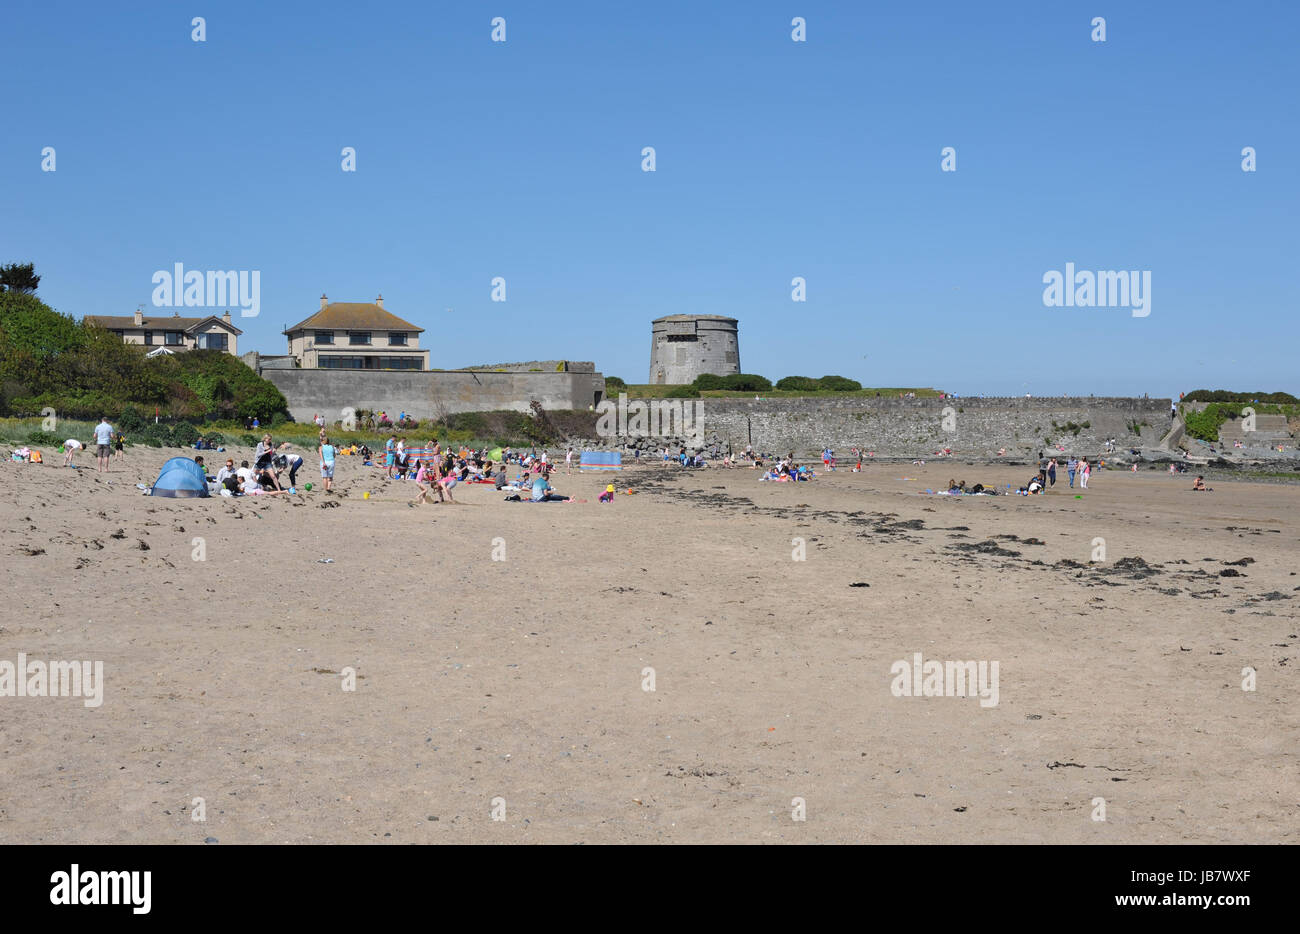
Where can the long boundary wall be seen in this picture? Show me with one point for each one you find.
(892, 427)
(426, 394)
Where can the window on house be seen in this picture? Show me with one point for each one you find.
(213, 341)
(324, 337)
(397, 338)
(359, 338)
(173, 338)
(148, 338)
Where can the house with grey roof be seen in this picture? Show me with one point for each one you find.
(173, 333)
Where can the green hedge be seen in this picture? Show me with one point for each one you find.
(742, 382)
(1223, 395)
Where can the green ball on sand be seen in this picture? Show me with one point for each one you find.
(307, 487)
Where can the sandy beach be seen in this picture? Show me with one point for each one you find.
(523, 679)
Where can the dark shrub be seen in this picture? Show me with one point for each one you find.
(130, 421)
(185, 434)
(746, 382)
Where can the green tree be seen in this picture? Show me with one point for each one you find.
(19, 277)
(35, 327)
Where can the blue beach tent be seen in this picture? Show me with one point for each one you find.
(179, 477)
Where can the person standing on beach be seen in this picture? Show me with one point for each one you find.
(568, 461)
(1084, 470)
(326, 451)
(1071, 467)
(104, 444)
(119, 442)
(1051, 472)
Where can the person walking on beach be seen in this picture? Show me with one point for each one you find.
(1051, 472)
(104, 444)
(1084, 470)
(119, 442)
(1071, 467)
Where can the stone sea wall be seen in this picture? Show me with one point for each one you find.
(892, 427)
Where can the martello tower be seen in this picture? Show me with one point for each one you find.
(685, 346)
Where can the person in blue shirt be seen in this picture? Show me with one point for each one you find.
(327, 452)
(543, 492)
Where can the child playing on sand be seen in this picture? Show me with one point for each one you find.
(326, 451)
(608, 495)
(70, 449)
(422, 476)
(1200, 487)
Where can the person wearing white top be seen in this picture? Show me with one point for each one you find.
(70, 448)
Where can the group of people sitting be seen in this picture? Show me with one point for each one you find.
(539, 486)
(959, 488)
(1036, 484)
(270, 463)
(786, 470)
(244, 480)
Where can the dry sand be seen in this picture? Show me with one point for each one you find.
(522, 679)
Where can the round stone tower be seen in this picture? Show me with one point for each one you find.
(685, 346)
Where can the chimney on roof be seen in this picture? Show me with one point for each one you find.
(226, 317)
(380, 300)
(323, 301)
(139, 318)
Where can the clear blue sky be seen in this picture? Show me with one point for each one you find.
(775, 159)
